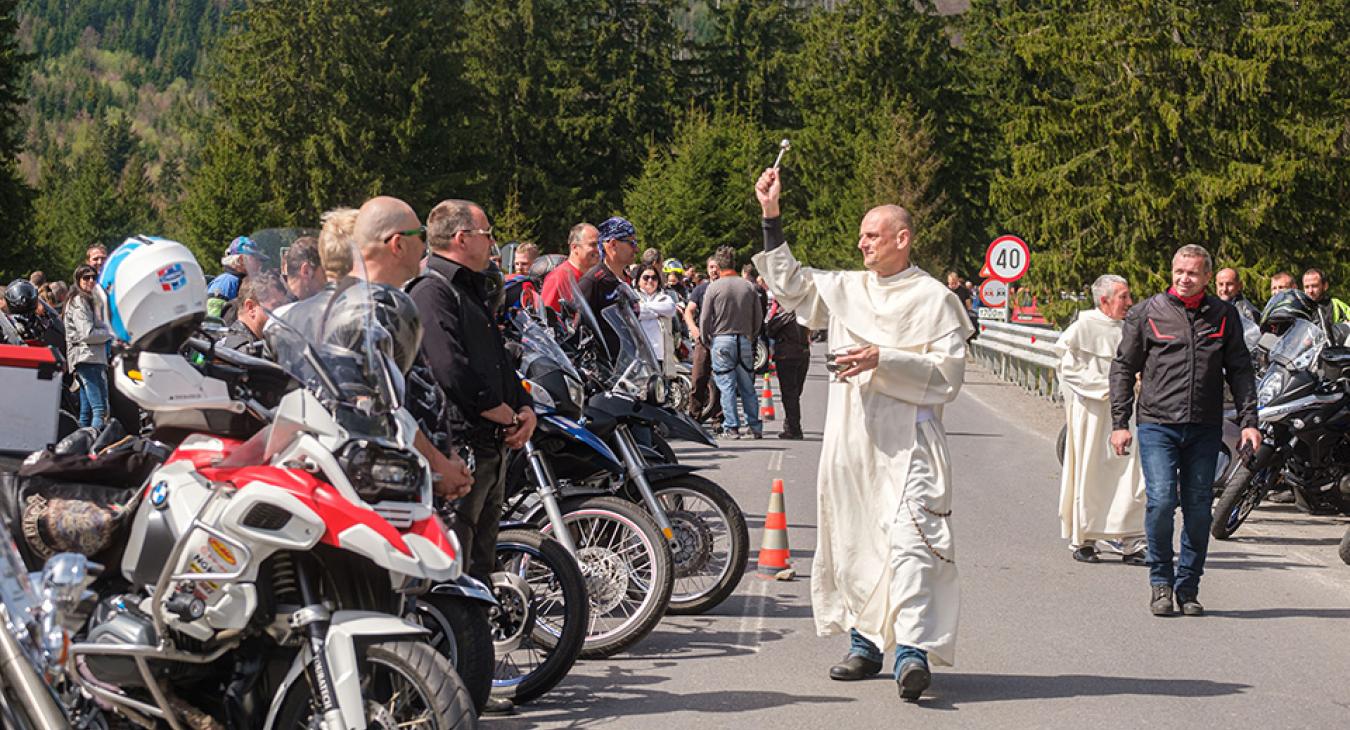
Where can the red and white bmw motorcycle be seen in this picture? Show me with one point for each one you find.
(268, 574)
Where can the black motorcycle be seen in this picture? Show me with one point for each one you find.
(1304, 422)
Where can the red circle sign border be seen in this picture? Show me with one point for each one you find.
(1026, 256)
(1005, 293)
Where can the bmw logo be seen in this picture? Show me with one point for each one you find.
(159, 495)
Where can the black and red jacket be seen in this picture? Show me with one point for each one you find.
(1185, 355)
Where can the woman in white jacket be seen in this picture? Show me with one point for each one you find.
(87, 348)
(656, 314)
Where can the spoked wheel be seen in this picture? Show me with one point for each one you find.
(711, 542)
(404, 684)
(541, 621)
(460, 632)
(678, 390)
(626, 563)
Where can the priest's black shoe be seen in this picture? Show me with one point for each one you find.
(853, 668)
(1086, 554)
(913, 680)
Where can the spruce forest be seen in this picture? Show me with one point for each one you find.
(1104, 133)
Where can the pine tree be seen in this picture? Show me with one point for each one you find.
(16, 253)
(745, 57)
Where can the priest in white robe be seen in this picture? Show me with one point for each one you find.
(1101, 495)
(885, 563)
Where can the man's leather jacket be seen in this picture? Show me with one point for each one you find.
(1184, 355)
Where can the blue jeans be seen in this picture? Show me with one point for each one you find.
(1178, 462)
(733, 366)
(93, 379)
(860, 646)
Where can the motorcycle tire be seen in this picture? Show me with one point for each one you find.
(1062, 443)
(461, 633)
(558, 611)
(391, 670)
(761, 356)
(1240, 496)
(712, 542)
(678, 390)
(1345, 547)
(639, 574)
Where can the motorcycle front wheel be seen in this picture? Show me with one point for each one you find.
(404, 684)
(711, 543)
(627, 565)
(461, 633)
(1241, 493)
(540, 623)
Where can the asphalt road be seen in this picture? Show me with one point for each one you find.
(1045, 642)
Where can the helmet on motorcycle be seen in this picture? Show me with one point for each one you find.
(544, 265)
(398, 315)
(151, 293)
(1284, 308)
(496, 288)
(21, 297)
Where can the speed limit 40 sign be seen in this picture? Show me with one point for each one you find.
(1007, 258)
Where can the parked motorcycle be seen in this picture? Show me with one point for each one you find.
(269, 574)
(1304, 423)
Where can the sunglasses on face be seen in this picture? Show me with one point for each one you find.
(649, 277)
(88, 277)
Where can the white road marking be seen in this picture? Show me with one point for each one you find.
(776, 461)
(753, 620)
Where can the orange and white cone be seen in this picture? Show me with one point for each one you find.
(775, 558)
(766, 411)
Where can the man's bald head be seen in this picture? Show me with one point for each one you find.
(895, 217)
(1227, 284)
(381, 218)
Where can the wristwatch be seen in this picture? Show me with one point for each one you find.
(515, 419)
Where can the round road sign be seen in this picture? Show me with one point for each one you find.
(994, 293)
(1007, 258)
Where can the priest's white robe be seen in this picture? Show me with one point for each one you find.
(1101, 495)
(884, 562)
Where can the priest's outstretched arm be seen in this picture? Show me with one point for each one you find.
(791, 283)
(930, 378)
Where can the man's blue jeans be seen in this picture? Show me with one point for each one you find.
(93, 379)
(1178, 462)
(733, 366)
(860, 646)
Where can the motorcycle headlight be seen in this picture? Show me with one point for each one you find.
(576, 392)
(379, 473)
(540, 395)
(1271, 386)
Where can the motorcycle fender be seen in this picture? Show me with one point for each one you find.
(659, 472)
(426, 559)
(467, 588)
(568, 428)
(678, 425)
(339, 647)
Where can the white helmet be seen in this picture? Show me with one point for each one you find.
(152, 293)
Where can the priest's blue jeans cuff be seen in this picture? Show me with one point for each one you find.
(860, 646)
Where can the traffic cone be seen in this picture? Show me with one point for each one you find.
(766, 412)
(775, 558)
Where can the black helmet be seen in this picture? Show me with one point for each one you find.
(496, 288)
(544, 265)
(397, 313)
(1284, 308)
(21, 297)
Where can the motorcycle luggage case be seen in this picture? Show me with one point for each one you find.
(29, 412)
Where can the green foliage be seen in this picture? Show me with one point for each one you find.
(1133, 127)
(15, 196)
(696, 195)
(227, 197)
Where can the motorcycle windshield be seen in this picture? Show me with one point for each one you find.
(537, 342)
(580, 309)
(635, 365)
(1299, 346)
(334, 345)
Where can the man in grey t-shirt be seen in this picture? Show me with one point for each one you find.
(730, 320)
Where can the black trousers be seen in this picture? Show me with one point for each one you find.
(478, 514)
(705, 402)
(791, 381)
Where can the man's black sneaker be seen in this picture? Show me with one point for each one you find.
(914, 679)
(756, 435)
(1139, 558)
(1190, 606)
(853, 668)
(1161, 603)
(1086, 554)
(790, 435)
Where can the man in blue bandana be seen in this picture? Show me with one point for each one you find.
(618, 250)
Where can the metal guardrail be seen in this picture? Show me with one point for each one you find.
(1021, 354)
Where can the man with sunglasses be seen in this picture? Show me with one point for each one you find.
(469, 360)
(618, 250)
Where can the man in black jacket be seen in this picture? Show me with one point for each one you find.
(469, 360)
(792, 358)
(1185, 343)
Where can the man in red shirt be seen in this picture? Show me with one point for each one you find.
(583, 253)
